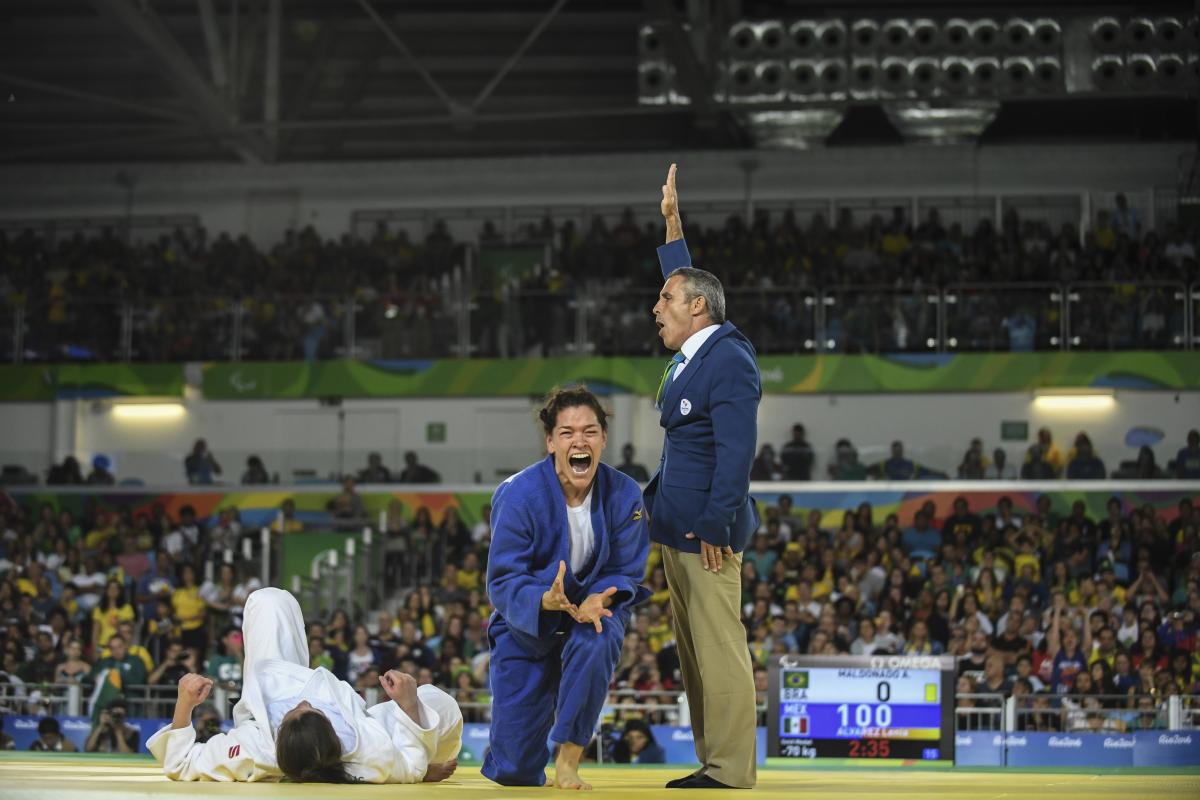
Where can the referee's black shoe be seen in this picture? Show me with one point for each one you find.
(703, 781)
(678, 782)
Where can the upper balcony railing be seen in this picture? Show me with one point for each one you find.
(604, 321)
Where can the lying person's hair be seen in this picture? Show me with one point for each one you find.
(308, 751)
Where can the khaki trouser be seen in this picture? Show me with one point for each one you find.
(715, 661)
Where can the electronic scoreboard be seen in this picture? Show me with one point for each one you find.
(896, 707)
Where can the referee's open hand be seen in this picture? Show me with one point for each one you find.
(711, 556)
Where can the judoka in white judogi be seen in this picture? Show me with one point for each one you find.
(380, 744)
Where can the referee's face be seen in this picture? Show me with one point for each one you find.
(675, 316)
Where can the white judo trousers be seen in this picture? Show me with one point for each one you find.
(381, 744)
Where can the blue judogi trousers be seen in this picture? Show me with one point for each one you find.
(554, 686)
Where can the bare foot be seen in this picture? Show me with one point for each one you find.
(439, 772)
(566, 768)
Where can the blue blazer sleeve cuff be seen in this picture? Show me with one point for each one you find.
(673, 255)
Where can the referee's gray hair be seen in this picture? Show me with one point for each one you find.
(701, 283)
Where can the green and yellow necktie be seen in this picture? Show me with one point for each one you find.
(668, 376)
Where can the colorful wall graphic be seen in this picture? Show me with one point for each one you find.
(258, 508)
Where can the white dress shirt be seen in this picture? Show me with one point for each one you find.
(692, 346)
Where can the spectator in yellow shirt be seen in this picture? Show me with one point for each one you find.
(190, 610)
(112, 610)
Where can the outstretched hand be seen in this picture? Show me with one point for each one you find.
(595, 608)
(670, 199)
(555, 598)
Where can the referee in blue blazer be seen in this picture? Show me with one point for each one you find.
(700, 509)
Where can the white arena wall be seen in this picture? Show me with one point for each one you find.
(491, 438)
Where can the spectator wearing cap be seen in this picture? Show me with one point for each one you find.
(50, 738)
(796, 456)
(100, 474)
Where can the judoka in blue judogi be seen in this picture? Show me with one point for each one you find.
(568, 553)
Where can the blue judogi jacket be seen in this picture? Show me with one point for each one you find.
(530, 535)
(710, 416)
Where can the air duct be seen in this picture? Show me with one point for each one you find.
(831, 37)
(864, 75)
(772, 38)
(1047, 74)
(650, 43)
(803, 35)
(742, 41)
(802, 76)
(1106, 34)
(1172, 72)
(1108, 72)
(1047, 35)
(985, 35)
(1018, 74)
(897, 35)
(832, 75)
(894, 75)
(1168, 31)
(956, 33)
(864, 35)
(956, 72)
(1018, 33)
(925, 73)
(1139, 33)
(985, 74)
(925, 35)
(771, 75)
(1141, 72)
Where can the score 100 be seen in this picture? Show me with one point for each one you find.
(865, 715)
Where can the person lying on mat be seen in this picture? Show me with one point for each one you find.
(305, 725)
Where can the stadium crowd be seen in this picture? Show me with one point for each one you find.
(1095, 620)
(297, 295)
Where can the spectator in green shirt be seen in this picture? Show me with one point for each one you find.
(131, 668)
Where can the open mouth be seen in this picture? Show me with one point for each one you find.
(580, 463)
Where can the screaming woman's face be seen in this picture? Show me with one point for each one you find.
(576, 443)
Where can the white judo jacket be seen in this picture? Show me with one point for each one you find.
(381, 744)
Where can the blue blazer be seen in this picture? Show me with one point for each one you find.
(530, 535)
(710, 415)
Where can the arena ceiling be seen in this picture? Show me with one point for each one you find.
(266, 81)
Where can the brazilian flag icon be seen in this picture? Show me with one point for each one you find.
(795, 680)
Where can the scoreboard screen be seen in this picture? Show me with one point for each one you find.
(895, 707)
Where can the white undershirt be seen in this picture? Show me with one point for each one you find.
(583, 538)
(692, 346)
